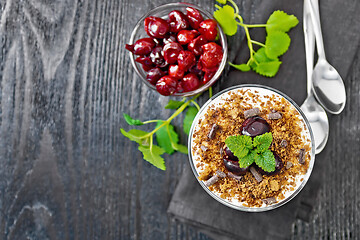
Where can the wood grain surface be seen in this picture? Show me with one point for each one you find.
(66, 172)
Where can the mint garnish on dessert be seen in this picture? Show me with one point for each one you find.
(249, 150)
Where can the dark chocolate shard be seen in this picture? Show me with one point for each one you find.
(302, 156)
(221, 151)
(283, 143)
(202, 147)
(251, 112)
(236, 177)
(274, 115)
(212, 132)
(219, 174)
(256, 174)
(269, 201)
(288, 165)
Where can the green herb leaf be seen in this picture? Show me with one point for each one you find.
(226, 18)
(277, 43)
(172, 104)
(189, 118)
(242, 67)
(132, 121)
(262, 142)
(260, 56)
(248, 159)
(163, 139)
(153, 155)
(179, 147)
(280, 21)
(267, 69)
(135, 135)
(266, 161)
(239, 145)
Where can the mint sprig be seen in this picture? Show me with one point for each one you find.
(166, 136)
(249, 150)
(277, 40)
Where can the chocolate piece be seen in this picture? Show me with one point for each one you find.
(256, 174)
(283, 143)
(213, 131)
(219, 174)
(251, 112)
(274, 115)
(302, 156)
(221, 151)
(288, 165)
(202, 147)
(236, 177)
(269, 200)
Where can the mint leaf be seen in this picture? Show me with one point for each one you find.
(189, 118)
(239, 145)
(268, 69)
(226, 18)
(172, 104)
(163, 139)
(262, 142)
(260, 56)
(132, 121)
(277, 43)
(242, 67)
(153, 155)
(266, 161)
(280, 21)
(181, 148)
(248, 159)
(135, 135)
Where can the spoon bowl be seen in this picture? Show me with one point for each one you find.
(327, 84)
(328, 87)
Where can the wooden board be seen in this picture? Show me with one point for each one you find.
(66, 172)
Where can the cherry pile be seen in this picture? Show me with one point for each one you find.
(252, 127)
(180, 54)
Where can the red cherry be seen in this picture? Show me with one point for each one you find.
(153, 75)
(142, 46)
(190, 82)
(171, 52)
(186, 36)
(169, 39)
(177, 21)
(208, 28)
(195, 45)
(176, 72)
(156, 27)
(157, 57)
(254, 126)
(194, 17)
(166, 85)
(207, 77)
(212, 55)
(186, 59)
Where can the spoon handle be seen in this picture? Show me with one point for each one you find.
(315, 17)
(309, 44)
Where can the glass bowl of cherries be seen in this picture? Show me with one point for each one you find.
(178, 49)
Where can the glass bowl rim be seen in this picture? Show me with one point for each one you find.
(226, 202)
(222, 39)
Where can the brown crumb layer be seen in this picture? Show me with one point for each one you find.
(229, 118)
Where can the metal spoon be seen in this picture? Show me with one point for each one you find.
(328, 85)
(315, 114)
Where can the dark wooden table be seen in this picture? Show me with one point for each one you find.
(66, 172)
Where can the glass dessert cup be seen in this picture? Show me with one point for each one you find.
(162, 12)
(219, 99)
